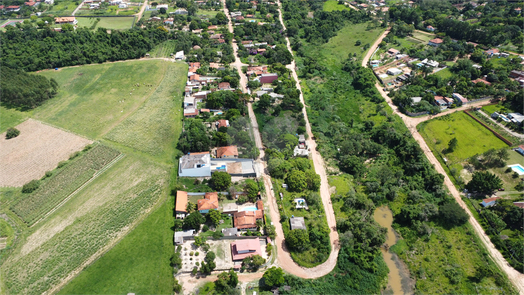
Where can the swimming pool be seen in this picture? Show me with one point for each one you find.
(249, 208)
(517, 168)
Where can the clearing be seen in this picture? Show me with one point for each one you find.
(472, 137)
(85, 227)
(38, 148)
(112, 23)
(94, 98)
(150, 129)
(11, 117)
(332, 5)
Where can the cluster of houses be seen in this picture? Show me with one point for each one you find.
(245, 217)
(32, 3)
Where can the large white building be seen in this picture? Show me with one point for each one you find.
(195, 165)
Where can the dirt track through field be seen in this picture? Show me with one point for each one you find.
(515, 277)
(37, 149)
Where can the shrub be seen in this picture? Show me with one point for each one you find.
(61, 164)
(217, 235)
(205, 228)
(12, 133)
(508, 170)
(30, 186)
(191, 253)
(515, 175)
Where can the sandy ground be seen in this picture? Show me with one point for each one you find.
(516, 278)
(37, 149)
(191, 283)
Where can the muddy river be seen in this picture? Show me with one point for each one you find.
(399, 281)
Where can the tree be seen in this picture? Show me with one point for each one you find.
(199, 241)
(270, 231)
(221, 181)
(20, 89)
(12, 133)
(298, 239)
(312, 180)
(226, 282)
(353, 165)
(278, 168)
(253, 262)
(214, 216)
(264, 103)
(251, 189)
(30, 186)
(274, 277)
(163, 10)
(194, 220)
(453, 215)
(452, 145)
(178, 224)
(296, 181)
(484, 182)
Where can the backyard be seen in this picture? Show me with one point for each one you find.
(62, 8)
(111, 23)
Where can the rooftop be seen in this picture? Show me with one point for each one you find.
(209, 202)
(245, 248)
(297, 223)
(227, 151)
(194, 159)
(181, 201)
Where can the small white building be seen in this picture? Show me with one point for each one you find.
(122, 5)
(180, 55)
(165, 6)
(195, 165)
(394, 71)
(49, 2)
(181, 11)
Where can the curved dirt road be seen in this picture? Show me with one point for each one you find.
(515, 277)
(320, 169)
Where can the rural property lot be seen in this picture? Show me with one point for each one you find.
(90, 222)
(37, 149)
(93, 99)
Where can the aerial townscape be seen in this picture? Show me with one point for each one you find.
(258, 147)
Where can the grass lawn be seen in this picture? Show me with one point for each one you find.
(444, 74)
(190, 186)
(113, 23)
(150, 129)
(508, 181)
(338, 47)
(207, 13)
(423, 36)
(490, 109)
(331, 5)
(70, 236)
(138, 264)
(62, 8)
(472, 137)
(11, 118)
(93, 99)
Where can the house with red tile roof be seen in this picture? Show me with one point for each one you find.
(227, 152)
(247, 219)
(435, 42)
(209, 202)
(241, 249)
(489, 202)
(181, 204)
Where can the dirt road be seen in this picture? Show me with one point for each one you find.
(77, 8)
(515, 277)
(141, 12)
(372, 49)
(237, 64)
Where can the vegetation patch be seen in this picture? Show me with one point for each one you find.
(52, 192)
(139, 263)
(93, 218)
(331, 5)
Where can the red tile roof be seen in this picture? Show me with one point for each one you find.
(209, 202)
(247, 247)
(490, 199)
(247, 219)
(181, 201)
(227, 151)
(436, 40)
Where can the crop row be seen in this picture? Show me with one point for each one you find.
(62, 184)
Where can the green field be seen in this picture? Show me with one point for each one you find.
(331, 5)
(112, 23)
(62, 8)
(86, 223)
(444, 74)
(138, 264)
(11, 118)
(423, 36)
(338, 47)
(150, 128)
(472, 137)
(93, 99)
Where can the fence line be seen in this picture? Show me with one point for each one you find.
(489, 128)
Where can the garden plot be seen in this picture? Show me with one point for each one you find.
(38, 148)
(190, 258)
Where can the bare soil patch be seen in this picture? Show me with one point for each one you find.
(37, 149)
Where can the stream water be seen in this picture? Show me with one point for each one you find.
(384, 217)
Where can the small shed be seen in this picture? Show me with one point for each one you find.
(297, 223)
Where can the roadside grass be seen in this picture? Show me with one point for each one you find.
(164, 49)
(94, 98)
(150, 129)
(112, 23)
(138, 264)
(332, 5)
(444, 74)
(472, 137)
(47, 253)
(62, 8)
(339, 47)
(11, 117)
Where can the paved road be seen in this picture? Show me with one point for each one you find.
(516, 278)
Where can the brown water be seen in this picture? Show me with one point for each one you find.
(384, 217)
